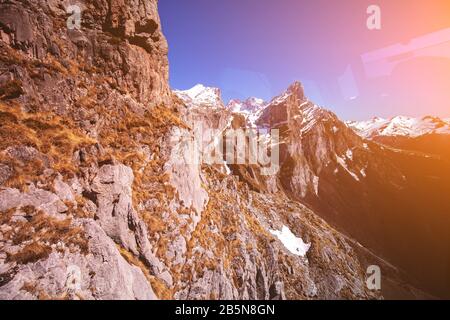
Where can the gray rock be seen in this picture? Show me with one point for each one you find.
(38, 198)
(103, 274)
(115, 214)
(277, 291)
(5, 173)
(177, 250)
(63, 190)
(181, 167)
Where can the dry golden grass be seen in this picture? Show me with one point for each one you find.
(38, 232)
(11, 90)
(160, 289)
(44, 132)
(31, 253)
(16, 57)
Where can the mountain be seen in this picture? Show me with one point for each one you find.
(374, 193)
(102, 196)
(429, 135)
(200, 95)
(249, 106)
(401, 126)
(97, 200)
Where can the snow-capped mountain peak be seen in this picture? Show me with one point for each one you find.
(250, 105)
(201, 95)
(251, 108)
(400, 126)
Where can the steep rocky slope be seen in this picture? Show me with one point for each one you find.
(94, 201)
(345, 179)
(392, 201)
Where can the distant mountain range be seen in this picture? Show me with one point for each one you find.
(387, 195)
(401, 126)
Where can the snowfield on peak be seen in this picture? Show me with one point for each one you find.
(200, 95)
(248, 106)
(400, 126)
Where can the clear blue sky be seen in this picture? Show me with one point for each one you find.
(258, 47)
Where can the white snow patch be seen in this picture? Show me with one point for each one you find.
(310, 116)
(363, 173)
(349, 154)
(304, 104)
(200, 95)
(227, 168)
(316, 185)
(291, 242)
(343, 164)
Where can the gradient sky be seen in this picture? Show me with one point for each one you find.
(258, 47)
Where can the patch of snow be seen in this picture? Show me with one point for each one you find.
(251, 108)
(304, 104)
(227, 168)
(367, 128)
(310, 117)
(200, 95)
(363, 173)
(251, 105)
(349, 154)
(316, 185)
(291, 242)
(281, 98)
(343, 164)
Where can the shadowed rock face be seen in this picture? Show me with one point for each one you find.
(122, 42)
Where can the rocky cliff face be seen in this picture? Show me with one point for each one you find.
(66, 197)
(94, 201)
(372, 192)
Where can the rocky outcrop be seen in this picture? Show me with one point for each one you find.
(116, 61)
(119, 48)
(103, 274)
(112, 190)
